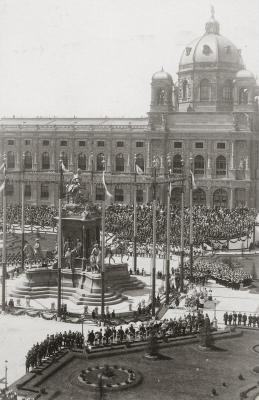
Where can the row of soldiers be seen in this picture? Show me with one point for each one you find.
(187, 324)
(51, 346)
(241, 319)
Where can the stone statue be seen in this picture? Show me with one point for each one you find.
(96, 258)
(37, 250)
(73, 187)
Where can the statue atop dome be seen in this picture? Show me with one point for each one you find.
(212, 26)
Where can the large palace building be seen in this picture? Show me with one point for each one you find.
(209, 119)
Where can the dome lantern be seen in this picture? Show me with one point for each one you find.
(212, 26)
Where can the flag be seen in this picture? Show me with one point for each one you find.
(3, 380)
(2, 187)
(139, 170)
(63, 168)
(3, 184)
(105, 186)
(194, 186)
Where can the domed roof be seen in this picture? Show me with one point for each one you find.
(211, 48)
(245, 74)
(161, 75)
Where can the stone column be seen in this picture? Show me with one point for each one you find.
(231, 170)
(247, 169)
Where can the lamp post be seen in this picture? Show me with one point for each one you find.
(6, 369)
(23, 212)
(154, 184)
(215, 322)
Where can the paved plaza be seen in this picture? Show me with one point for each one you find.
(19, 333)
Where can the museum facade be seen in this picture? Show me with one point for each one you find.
(207, 122)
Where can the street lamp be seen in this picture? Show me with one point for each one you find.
(215, 322)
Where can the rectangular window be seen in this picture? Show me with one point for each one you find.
(221, 145)
(119, 195)
(177, 145)
(139, 144)
(10, 142)
(27, 142)
(63, 143)
(100, 143)
(45, 142)
(199, 145)
(9, 189)
(81, 143)
(99, 196)
(120, 144)
(44, 191)
(27, 191)
(139, 196)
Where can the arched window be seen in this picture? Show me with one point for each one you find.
(99, 194)
(119, 163)
(176, 195)
(221, 165)
(199, 197)
(227, 92)
(220, 198)
(161, 97)
(199, 165)
(140, 161)
(81, 161)
(99, 162)
(177, 164)
(205, 90)
(64, 158)
(185, 88)
(118, 195)
(243, 95)
(10, 159)
(45, 160)
(27, 160)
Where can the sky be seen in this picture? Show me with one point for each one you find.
(95, 58)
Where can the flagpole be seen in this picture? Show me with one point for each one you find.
(182, 233)
(4, 240)
(135, 218)
(154, 243)
(103, 257)
(22, 216)
(92, 177)
(191, 219)
(103, 243)
(60, 236)
(168, 229)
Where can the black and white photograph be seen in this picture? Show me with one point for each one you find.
(129, 199)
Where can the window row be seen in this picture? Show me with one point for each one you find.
(227, 92)
(81, 143)
(198, 165)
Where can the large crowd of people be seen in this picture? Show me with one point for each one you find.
(208, 223)
(222, 273)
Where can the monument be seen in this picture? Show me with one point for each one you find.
(81, 259)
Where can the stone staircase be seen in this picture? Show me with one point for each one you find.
(75, 295)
